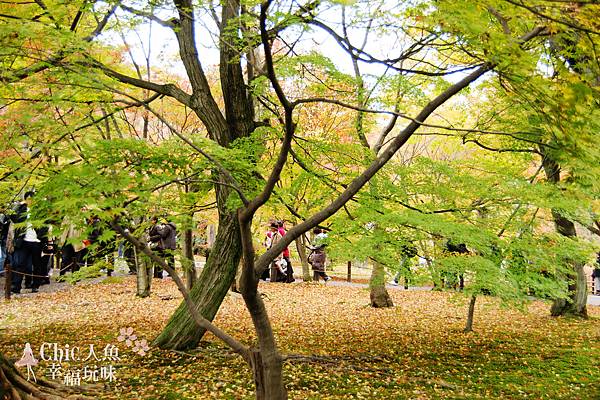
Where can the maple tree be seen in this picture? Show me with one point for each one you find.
(257, 112)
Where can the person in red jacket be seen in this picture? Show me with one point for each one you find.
(286, 254)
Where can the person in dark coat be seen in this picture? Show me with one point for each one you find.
(27, 255)
(72, 248)
(4, 225)
(97, 248)
(596, 276)
(407, 252)
(317, 258)
(163, 239)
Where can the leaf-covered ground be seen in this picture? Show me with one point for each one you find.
(415, 350)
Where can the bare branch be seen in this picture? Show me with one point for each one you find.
(168, 89)
(147, 15)
(262, 198)
(565, 22)
(500, 19)
(505, 150)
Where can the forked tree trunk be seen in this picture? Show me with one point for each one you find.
(209, 290)
(301, 248)
(14, 386)
(379, 295)
(471, 314)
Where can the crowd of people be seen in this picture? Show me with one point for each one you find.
(281, 268)
(31, 250)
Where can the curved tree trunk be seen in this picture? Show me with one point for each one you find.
(143, 276)
(209, 290)
(143, 267)
(266, 361)
(15, 386)
(379, 294)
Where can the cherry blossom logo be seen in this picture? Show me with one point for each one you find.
(139, 346)
(127, 336)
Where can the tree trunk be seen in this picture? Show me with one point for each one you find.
(379, 295)
(301, 248)
(268, 380)
(266, 362)
(143, 277)
(15, 386)
(235, 286)
(576, 305)
(187, 260)
(470, 315)
(210, 289)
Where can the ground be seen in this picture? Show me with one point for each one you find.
(415, 350)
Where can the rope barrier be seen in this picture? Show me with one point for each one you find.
(12, 271)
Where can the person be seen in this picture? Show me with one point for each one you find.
(317, 258)
(48, 252)
(596, 276)
(72, 248)
(266, 275)
(286, 254)
(278, 265)
(27, 255)
(4, 225)
(163, 239)
(407, 252)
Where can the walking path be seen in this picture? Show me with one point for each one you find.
(592, 300)
(58, 286)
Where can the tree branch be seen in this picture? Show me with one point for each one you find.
(150, 16)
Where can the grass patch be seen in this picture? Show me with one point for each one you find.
(415, 350)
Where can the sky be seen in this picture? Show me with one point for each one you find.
(163, 46)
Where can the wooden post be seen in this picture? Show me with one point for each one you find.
(7, 279)
(349, 279)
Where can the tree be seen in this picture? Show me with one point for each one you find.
(233, 155)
